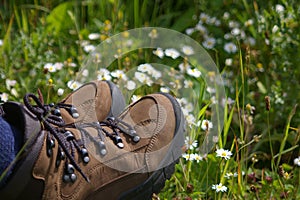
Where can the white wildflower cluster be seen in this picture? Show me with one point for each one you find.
(185, 67)
(279, 36)
(193, 157)
(87, 46)
(187, 108)
(151, 71)
(174, 54)
(57, 66)
(226, 154)
(105, 74)
(236, 30)
(229, 175)
(192, 146)
(53, 67)
(10, 86)
(147, 74)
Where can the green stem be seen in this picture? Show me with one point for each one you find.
(270, 142)
(136, 6)
(286, 134)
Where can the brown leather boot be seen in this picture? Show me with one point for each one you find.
(102, 95)
(82, 156)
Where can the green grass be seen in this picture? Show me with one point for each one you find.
(264, 142)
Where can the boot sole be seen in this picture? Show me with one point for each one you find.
(156, 182)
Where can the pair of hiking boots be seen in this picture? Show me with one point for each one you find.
(89, 146)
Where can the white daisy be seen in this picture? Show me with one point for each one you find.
(206, 125)
(204, 18)
(279, 8)
(10, 83)
(4, 97)
(143, 78)
(197, 157)
(50, 67)
(187, 50)
(189, 31)
(297, 161)
(145, 68)
(58, 65)
(165, 89)
(193, 72)
(94, 36)
(89, 48)
(182, 101)
(85, 73)
(135, 98)
(228, 175)
(190, 144)
(211, 90)
(73, 85)
(249, 22)
(228, 62)
(155, 74)
(189, 107)
(219, 187)
(60, 92)
(209, 42)
(159, 52)
(153, 34)
(119, 74)
(230, 47)
(103, 74)
(235, 31)
(190, 119)
(188, 84)
(14, 92)
(184, 66)
(130, 85)
(201, 29)
(186, 156)
(223, 154)
(173, 53)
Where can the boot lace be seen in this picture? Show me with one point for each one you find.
(51, 120)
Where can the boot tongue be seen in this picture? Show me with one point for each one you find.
(83, 99)
(21, 118)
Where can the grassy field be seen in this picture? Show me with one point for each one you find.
(254, 45)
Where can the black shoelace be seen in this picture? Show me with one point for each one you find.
(115, 125)
(51, 120)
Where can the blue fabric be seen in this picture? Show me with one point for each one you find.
(10, 143)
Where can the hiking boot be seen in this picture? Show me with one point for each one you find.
(83, 156)
(108, 99)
